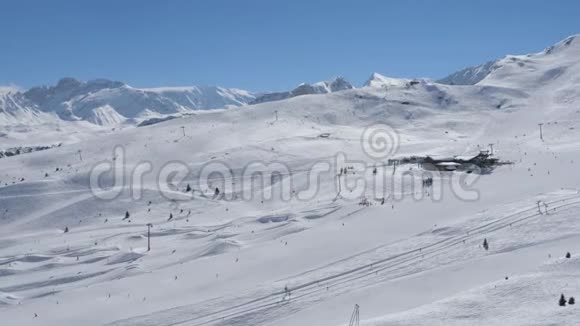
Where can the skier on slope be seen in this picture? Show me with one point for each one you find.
(485, 244)
(286, 293)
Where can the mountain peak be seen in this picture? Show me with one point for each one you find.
(332, 85)
(475, 74)
(562, 45)
(323, 87)
(378, 80)
(8, 89)
(68, 82)
(470, 75)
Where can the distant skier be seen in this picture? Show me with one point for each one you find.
(217, 192)
(286, 293)
(485, 244)
(170, 217)
(562, 301)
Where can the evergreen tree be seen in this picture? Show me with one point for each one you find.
(170, 216)
(568, 255)
(562, 301)
(66, 229)
(571, 300)
(126, 215)
(188, 189)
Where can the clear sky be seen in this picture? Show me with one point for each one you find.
(268, 44)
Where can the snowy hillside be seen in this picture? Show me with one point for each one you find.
(291, 212)
(323, 87)
(555, 68)
(521, 66)
(110, 103)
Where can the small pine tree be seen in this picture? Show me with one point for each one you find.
(568, 255)
(66, 229)
(188, 189)
(571, 300)
(126, 215)
(562, 301)
(170, 217)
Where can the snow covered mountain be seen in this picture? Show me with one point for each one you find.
(519, 67)
(470, 75)
(378, 80)
(16, 109)
(109, 103)
(323, 87)
(106, 102)
(379, 238)
(556, 69)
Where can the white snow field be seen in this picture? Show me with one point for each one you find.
(227, 259)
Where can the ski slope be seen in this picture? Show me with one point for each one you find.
(226, 259)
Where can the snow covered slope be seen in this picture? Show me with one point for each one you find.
(520, 67)
(294, 247)
(111, 103)
(555, 68)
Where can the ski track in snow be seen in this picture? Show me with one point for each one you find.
(304, 295)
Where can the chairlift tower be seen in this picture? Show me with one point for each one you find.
(149, 226)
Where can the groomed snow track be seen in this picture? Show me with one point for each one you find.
(270, 306)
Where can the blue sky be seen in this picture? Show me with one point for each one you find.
(267, 45)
